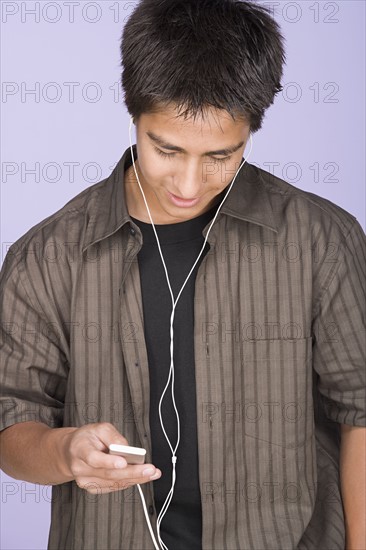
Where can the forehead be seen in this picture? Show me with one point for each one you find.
(211, 133)
(211, 120)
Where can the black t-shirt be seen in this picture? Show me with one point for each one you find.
(181, 526)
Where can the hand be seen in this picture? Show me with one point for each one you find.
(94, 469)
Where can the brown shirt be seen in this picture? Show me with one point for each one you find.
(279, 342)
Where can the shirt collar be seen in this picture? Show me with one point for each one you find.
(248, 200)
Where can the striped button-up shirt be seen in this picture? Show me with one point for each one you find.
(279, 332)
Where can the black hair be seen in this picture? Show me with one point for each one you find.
(199, 54)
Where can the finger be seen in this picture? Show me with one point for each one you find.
(108, 434)
(98, 489)
(133, 473)
(102, 465)
(100, 435)
(101, 460)
(98, 486)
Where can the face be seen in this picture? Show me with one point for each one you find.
(183, 165)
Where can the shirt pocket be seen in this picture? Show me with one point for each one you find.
(278, 401)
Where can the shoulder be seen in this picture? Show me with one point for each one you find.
(313, 212)
(58, 238)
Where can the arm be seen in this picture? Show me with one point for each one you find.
(34, 359)
(34, 452)
(353, 484)
(339, 359)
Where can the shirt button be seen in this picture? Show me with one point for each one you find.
(151, 510)
(132, 231)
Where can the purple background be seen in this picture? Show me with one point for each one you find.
(313, 136)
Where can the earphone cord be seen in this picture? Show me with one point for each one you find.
(171, 370)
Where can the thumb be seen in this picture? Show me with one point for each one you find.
(108, 434)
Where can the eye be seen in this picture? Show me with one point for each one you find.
(171, 155)
(222, 160)
(164, 155)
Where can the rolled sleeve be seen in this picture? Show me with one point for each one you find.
(339, 354)
(34, 367)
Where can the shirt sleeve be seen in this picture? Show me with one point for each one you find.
(339, 343)
(34, 365)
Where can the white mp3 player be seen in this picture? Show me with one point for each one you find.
(133, 455)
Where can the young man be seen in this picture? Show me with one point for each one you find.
(268, 346)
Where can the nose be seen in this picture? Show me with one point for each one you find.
(188, 185)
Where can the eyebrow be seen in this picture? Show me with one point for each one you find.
(160, 141)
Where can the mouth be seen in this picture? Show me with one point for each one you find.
(184, 203)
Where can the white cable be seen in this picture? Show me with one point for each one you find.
(171, 370)
(147, 517)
